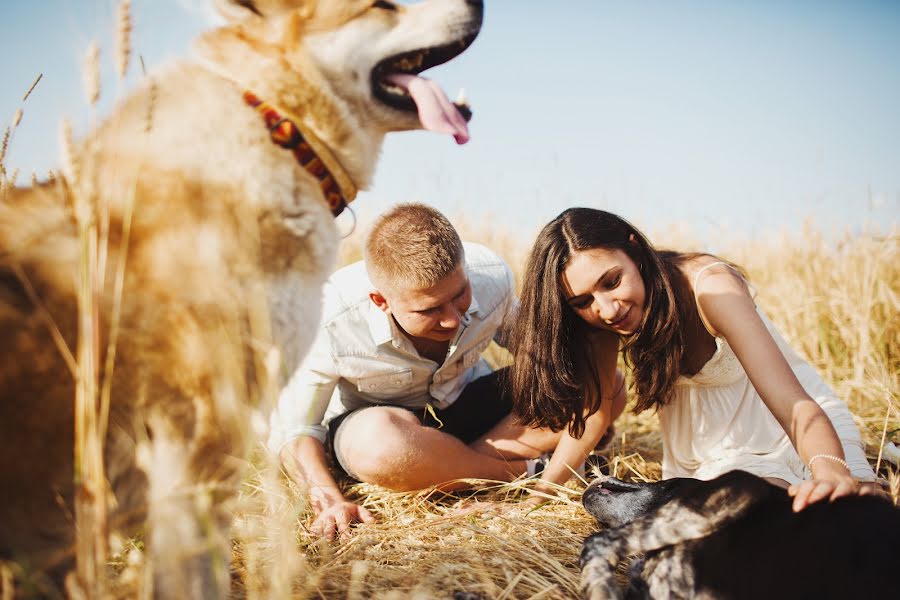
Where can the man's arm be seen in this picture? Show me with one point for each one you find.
(298, 435)
(305, 462)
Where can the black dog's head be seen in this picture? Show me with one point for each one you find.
(614, 502)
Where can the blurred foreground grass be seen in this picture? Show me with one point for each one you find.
(837, 302)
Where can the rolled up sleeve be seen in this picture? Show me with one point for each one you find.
(302, 404)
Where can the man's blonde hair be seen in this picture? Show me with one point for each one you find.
(412, 246)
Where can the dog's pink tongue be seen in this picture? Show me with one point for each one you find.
(436, 112)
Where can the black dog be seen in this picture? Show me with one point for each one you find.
(737, 537)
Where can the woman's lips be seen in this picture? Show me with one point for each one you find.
(621, 319)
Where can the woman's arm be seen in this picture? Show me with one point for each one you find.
(572, 452)
(726, 306)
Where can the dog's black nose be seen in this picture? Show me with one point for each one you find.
(478, 3)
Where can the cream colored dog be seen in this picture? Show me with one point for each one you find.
(222, 174)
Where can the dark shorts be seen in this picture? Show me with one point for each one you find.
(480, 406)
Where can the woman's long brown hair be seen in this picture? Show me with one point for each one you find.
(553, 378)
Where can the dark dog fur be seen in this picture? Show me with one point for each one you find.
(737, 537)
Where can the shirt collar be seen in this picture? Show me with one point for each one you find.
(381, 325)
(473, 307)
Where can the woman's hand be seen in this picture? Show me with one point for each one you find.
(337, 517)
(814, 490)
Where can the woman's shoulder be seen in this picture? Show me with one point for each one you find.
(701, 269)
(720, 290)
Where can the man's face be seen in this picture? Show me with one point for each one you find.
(432, 313)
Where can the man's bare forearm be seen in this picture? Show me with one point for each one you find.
(305, 462)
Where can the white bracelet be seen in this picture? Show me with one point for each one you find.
(836, 459)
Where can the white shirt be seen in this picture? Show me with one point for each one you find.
(361, 357)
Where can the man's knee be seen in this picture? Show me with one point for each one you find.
(373, 442)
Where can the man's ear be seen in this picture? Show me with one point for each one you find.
(379, 301)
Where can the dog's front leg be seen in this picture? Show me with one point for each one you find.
(600, 556)
(637, 586)
(668, 573)
(188, 552)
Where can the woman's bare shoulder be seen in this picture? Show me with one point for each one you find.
(701, 266)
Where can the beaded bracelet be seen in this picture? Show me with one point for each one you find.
(836, 459)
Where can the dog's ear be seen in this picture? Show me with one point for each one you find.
(237, 10)
(242, 10)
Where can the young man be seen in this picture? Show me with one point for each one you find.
(395, 391)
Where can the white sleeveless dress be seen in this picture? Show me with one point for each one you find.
(717, 422)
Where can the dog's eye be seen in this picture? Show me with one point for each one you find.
(384, 5)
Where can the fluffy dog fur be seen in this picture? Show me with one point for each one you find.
(737, 537)
(230, 242)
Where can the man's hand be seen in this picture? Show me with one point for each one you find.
(337, 517)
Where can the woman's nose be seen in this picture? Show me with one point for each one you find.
(606, 308)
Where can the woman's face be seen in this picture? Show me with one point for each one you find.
(604, 287)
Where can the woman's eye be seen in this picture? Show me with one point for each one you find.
(613, 282)
(580, 303)
(384, 5)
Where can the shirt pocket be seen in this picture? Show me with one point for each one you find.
(394, 384)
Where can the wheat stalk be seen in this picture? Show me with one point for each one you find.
(68, 157)
(32, 86)
(91, 487)
(91, 73)
(123, 37)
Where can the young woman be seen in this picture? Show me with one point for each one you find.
(730, 392)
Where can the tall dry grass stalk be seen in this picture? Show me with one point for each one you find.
(91, 488)
(123, 37)
(92, 397)
(90, 72)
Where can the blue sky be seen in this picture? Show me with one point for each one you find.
(736, 118)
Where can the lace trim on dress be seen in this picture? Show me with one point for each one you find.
(722, 368)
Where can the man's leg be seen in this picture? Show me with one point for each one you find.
(388, 446)
(482, 418)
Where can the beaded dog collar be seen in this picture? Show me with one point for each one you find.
(309, 152)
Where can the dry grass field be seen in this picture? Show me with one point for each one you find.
(836, 301)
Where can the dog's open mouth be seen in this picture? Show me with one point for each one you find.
(611, 485)
(396, 83)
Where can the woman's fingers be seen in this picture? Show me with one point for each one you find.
(845, 488)
(816, 490)
(810, 492)
(801, 493)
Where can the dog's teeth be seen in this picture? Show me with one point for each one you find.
(461, 99)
